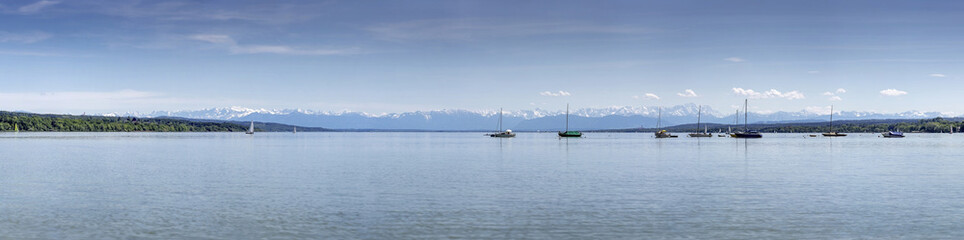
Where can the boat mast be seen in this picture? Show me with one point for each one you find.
(659, 117)
(736, 120)
(831, 118)
(567, 117)
(699, 115)
(500, 119)
(745, 114)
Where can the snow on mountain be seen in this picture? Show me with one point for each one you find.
(613, 117)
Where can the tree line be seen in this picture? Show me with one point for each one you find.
(9, 121)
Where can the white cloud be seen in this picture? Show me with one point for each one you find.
(37, 6)
(892, 92)
(937, 75)
(647, 96)
(833, 95)
(29, 37)
(772, 93)
(734, 59)
(231, 45)
(788, 95)
(555, 94)
(652, 96)
(687, 93)
(745, 92)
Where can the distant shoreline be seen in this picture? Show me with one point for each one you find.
(31, 122)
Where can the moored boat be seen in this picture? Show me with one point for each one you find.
(568, 133)
(832, 133)
(893, 134)
(659, 132)
(699, 116)
(746, 133)
(250, 129)
(502, 134)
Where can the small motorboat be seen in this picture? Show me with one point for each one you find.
(893, 134)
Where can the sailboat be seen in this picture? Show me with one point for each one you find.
(832, 133)
(729, 129)
(746, 133)
(295, 130)
(659, 132)
(699, 116)
(250, 129)
(568, 133)
(502, 134)
(893, 134)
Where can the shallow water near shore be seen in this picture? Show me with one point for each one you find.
(466, 185)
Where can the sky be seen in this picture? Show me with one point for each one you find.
(99, 56)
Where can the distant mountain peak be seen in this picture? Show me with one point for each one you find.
(535, 119)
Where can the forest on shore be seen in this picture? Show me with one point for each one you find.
(31, 122)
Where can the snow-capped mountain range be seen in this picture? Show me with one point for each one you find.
(617, 117)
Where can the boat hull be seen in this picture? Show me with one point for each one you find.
(570, 134)
(748, 135)
(834, 134)
(663, 134)
(502, 135)
(700, 135)
(892, 135)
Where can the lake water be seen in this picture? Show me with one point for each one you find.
(464, 185)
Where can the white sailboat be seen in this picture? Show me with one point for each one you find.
(502, 134)
(729, 129)
(250, 129)
(660, 133)
(699, 116)
(295, 130)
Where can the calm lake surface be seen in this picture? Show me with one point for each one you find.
(465, 185)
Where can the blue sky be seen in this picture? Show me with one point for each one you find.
(396, 56)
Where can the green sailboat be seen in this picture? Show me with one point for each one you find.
(568, 133)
